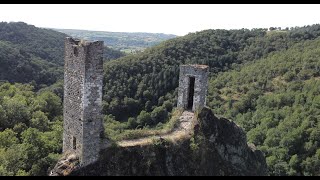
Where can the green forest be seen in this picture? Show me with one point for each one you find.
(33, 55)
(276, 101)
(266, 81)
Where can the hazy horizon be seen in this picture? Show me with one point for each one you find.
(105, 31)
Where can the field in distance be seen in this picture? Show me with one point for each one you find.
(129, 42)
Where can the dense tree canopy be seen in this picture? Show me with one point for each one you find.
(146, 77)
(30, 130)
(266, 81)
(34, 55)
(276, 101)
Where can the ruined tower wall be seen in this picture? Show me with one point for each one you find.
(74, 71)
(93, 129)
(200, 73)
(83, 99)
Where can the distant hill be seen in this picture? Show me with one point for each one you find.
(143, 81)
(267, 82)
(276, 101)
(29, 53)
(124, 41)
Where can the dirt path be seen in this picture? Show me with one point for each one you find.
(184, 130)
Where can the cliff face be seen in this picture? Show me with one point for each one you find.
(217, 147)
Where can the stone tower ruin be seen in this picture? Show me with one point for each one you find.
(193, 87)
(83, 80)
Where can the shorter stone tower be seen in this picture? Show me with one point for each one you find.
(193, 86)
(83, 79)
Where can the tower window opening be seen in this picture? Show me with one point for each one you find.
(191, 92)
(75, 51)
(74, 143)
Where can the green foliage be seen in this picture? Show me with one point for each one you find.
(49, 103)
(111, 54)
(34, 55)
(159, 114)
(194, 145)
(151, 77)
(16, 111)
(276, 101)
(44, 43)
(119, 131)
(30, 131)
(144, 118)
(30, 54)
(39, 121)
(266, 81)
(8, 138)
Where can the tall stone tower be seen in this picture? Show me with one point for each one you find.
(193, 86)
(83, 80)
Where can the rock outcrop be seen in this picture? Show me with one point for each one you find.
(66, 165)
(217, 147)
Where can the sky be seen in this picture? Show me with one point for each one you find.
(178, 19)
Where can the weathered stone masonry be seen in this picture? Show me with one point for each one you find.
(83, 80)
(193, 86)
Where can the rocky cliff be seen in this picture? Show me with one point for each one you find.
(217, 147)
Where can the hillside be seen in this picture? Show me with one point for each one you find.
(124, 41)
(145, 89)
(276, 100)
(266, 81)
(30, 54)
(142, 82)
